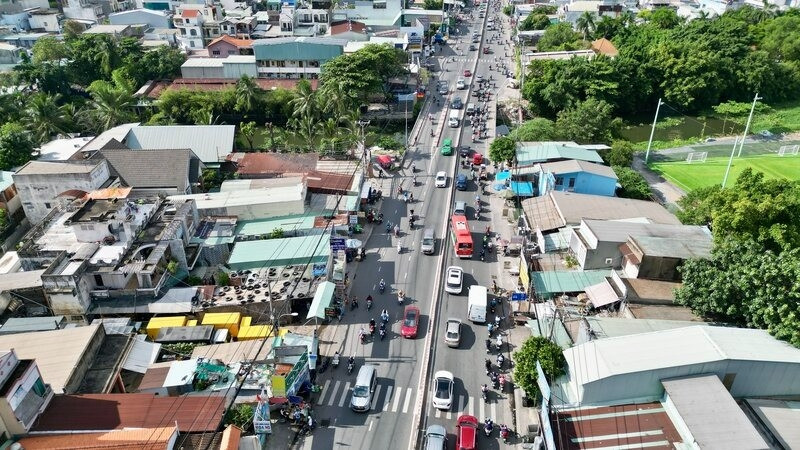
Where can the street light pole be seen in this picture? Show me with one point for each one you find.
(652, 132)
(362, 144)
(747, 126)
(733, 150)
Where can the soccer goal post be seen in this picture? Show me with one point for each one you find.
(696, 157)
(788, 150)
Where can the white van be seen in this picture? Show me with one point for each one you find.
(476, 307)
(453, 121)
(366, 382)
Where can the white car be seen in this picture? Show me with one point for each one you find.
(460, 84)
(452, 334)
(441, 179)
(442, 390)
(455, 280)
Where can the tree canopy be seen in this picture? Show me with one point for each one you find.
(549, 356)
(366, 71)
(692, 65)
(502, 149)
(15, 146)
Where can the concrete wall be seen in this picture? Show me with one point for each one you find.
(586, 183)
(46, 22)
(36, 191)
(85, 362)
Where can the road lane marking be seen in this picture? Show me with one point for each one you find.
(324, 391)
(482, 410)
(494, 412)
(388, 398)
(333, 393)
(375, 398)
(437, 413)
(370, 425)
(344, 394)
(397, 399)
(407, 401)
(471, 407)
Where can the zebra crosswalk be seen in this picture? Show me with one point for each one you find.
(401, 400)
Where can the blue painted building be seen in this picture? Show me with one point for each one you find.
(573, 175)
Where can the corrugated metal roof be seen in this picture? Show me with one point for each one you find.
(278, 252)
(57, 352)
(57, 167)
(211, 143)
(289, 224)
(21, 280)
(145, 439)
(575, 165)
(305, 48)
(620, 230)
(26, 324)
(234, 352)
(141, 355)
(712, 416)
(556, 282)
(200, 413)
(534, 152)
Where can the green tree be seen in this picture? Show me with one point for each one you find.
(782, 37)
(240, 415)
(248, 131)
(94, 57)
(47, 77)
(46, 118)
(590, 121)
(559, 37)
(746, 284)
(433, 5)
(535, 22)
(633, 184)
(305, 101)
(247, 95)
(72, 29)
(502, 149)
(307, 132)
(15, 146)
(585, 24)
(109, 106)
(3, 220)
(664, 18)
(162, 63)
(766, 211)
(366, 71)
(48, 48)
(621, 154)
(538, 129)
(550, 357)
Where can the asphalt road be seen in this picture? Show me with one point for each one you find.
(389, 423)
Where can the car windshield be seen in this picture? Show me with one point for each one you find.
(442, 388)
(451, 334)
(453, 280)
(427, 241)
(411, 319)
(361, 391)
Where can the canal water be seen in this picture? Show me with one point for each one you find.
(685, 127)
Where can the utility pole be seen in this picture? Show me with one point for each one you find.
(362, 143)
(747, 126)
(733, 150)
(652, 132)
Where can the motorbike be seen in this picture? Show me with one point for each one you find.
(335, 361)
(399, 248)
(495, 379)
(325, 363)
(483, 253)
(497, 321)
(505, 433)
(369, 305)
(488, 427)
(492, 305)
(384, 319)
(477, 215)
(488, 346)
(372, 328)
(388, 227)
(400, 297)
(500, 360)
(383, 331)
(382, 287)
(485, 395)
(499, 342)
(397, 230)
(490, 328)
(363, 338)
(502, 383)
(350, 365)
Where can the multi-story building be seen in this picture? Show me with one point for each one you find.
(23, 393)
(190, 21)
(295, 57)
(378, 14)
(47, 20)
(95, 10)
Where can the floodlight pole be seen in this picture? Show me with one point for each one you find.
(652, 132)
(747, 126)
(733, 151)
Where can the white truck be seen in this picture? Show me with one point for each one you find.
(477, 304)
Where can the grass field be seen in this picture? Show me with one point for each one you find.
(692, 176)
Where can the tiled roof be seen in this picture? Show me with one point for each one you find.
(145, 439)
(190, 13)
(199, 413)
(254, 164)
(605, 47)
(241, 43)
(328, 183)
(343, 26)
(152, 168)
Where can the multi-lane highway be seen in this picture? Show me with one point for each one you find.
(402, 366)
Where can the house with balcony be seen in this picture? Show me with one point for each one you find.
(379, 15)
(311, 22)
(295, 57)
(190, 21)
(92, 10)
(23, 393)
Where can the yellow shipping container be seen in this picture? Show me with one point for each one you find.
(157, 323)
(191, 323)
(228, 321)
(246, 321)
(253, 332)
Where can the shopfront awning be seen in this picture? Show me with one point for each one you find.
(322, 300)
(601, 294)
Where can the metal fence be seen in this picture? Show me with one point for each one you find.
(718, 149)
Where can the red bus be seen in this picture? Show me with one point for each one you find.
(462, 237)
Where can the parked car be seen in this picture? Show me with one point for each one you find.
(452, 336)
(443, 390)
(410, 322)
(466, 432)
(435, 438)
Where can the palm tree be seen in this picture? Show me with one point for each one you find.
(306, 130)
(305, 101)
(338, 100)
(46, 117)
(246, 94)
(331, 132)
(585, 24)
(109, 107)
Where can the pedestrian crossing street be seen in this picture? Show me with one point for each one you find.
(401, 400)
